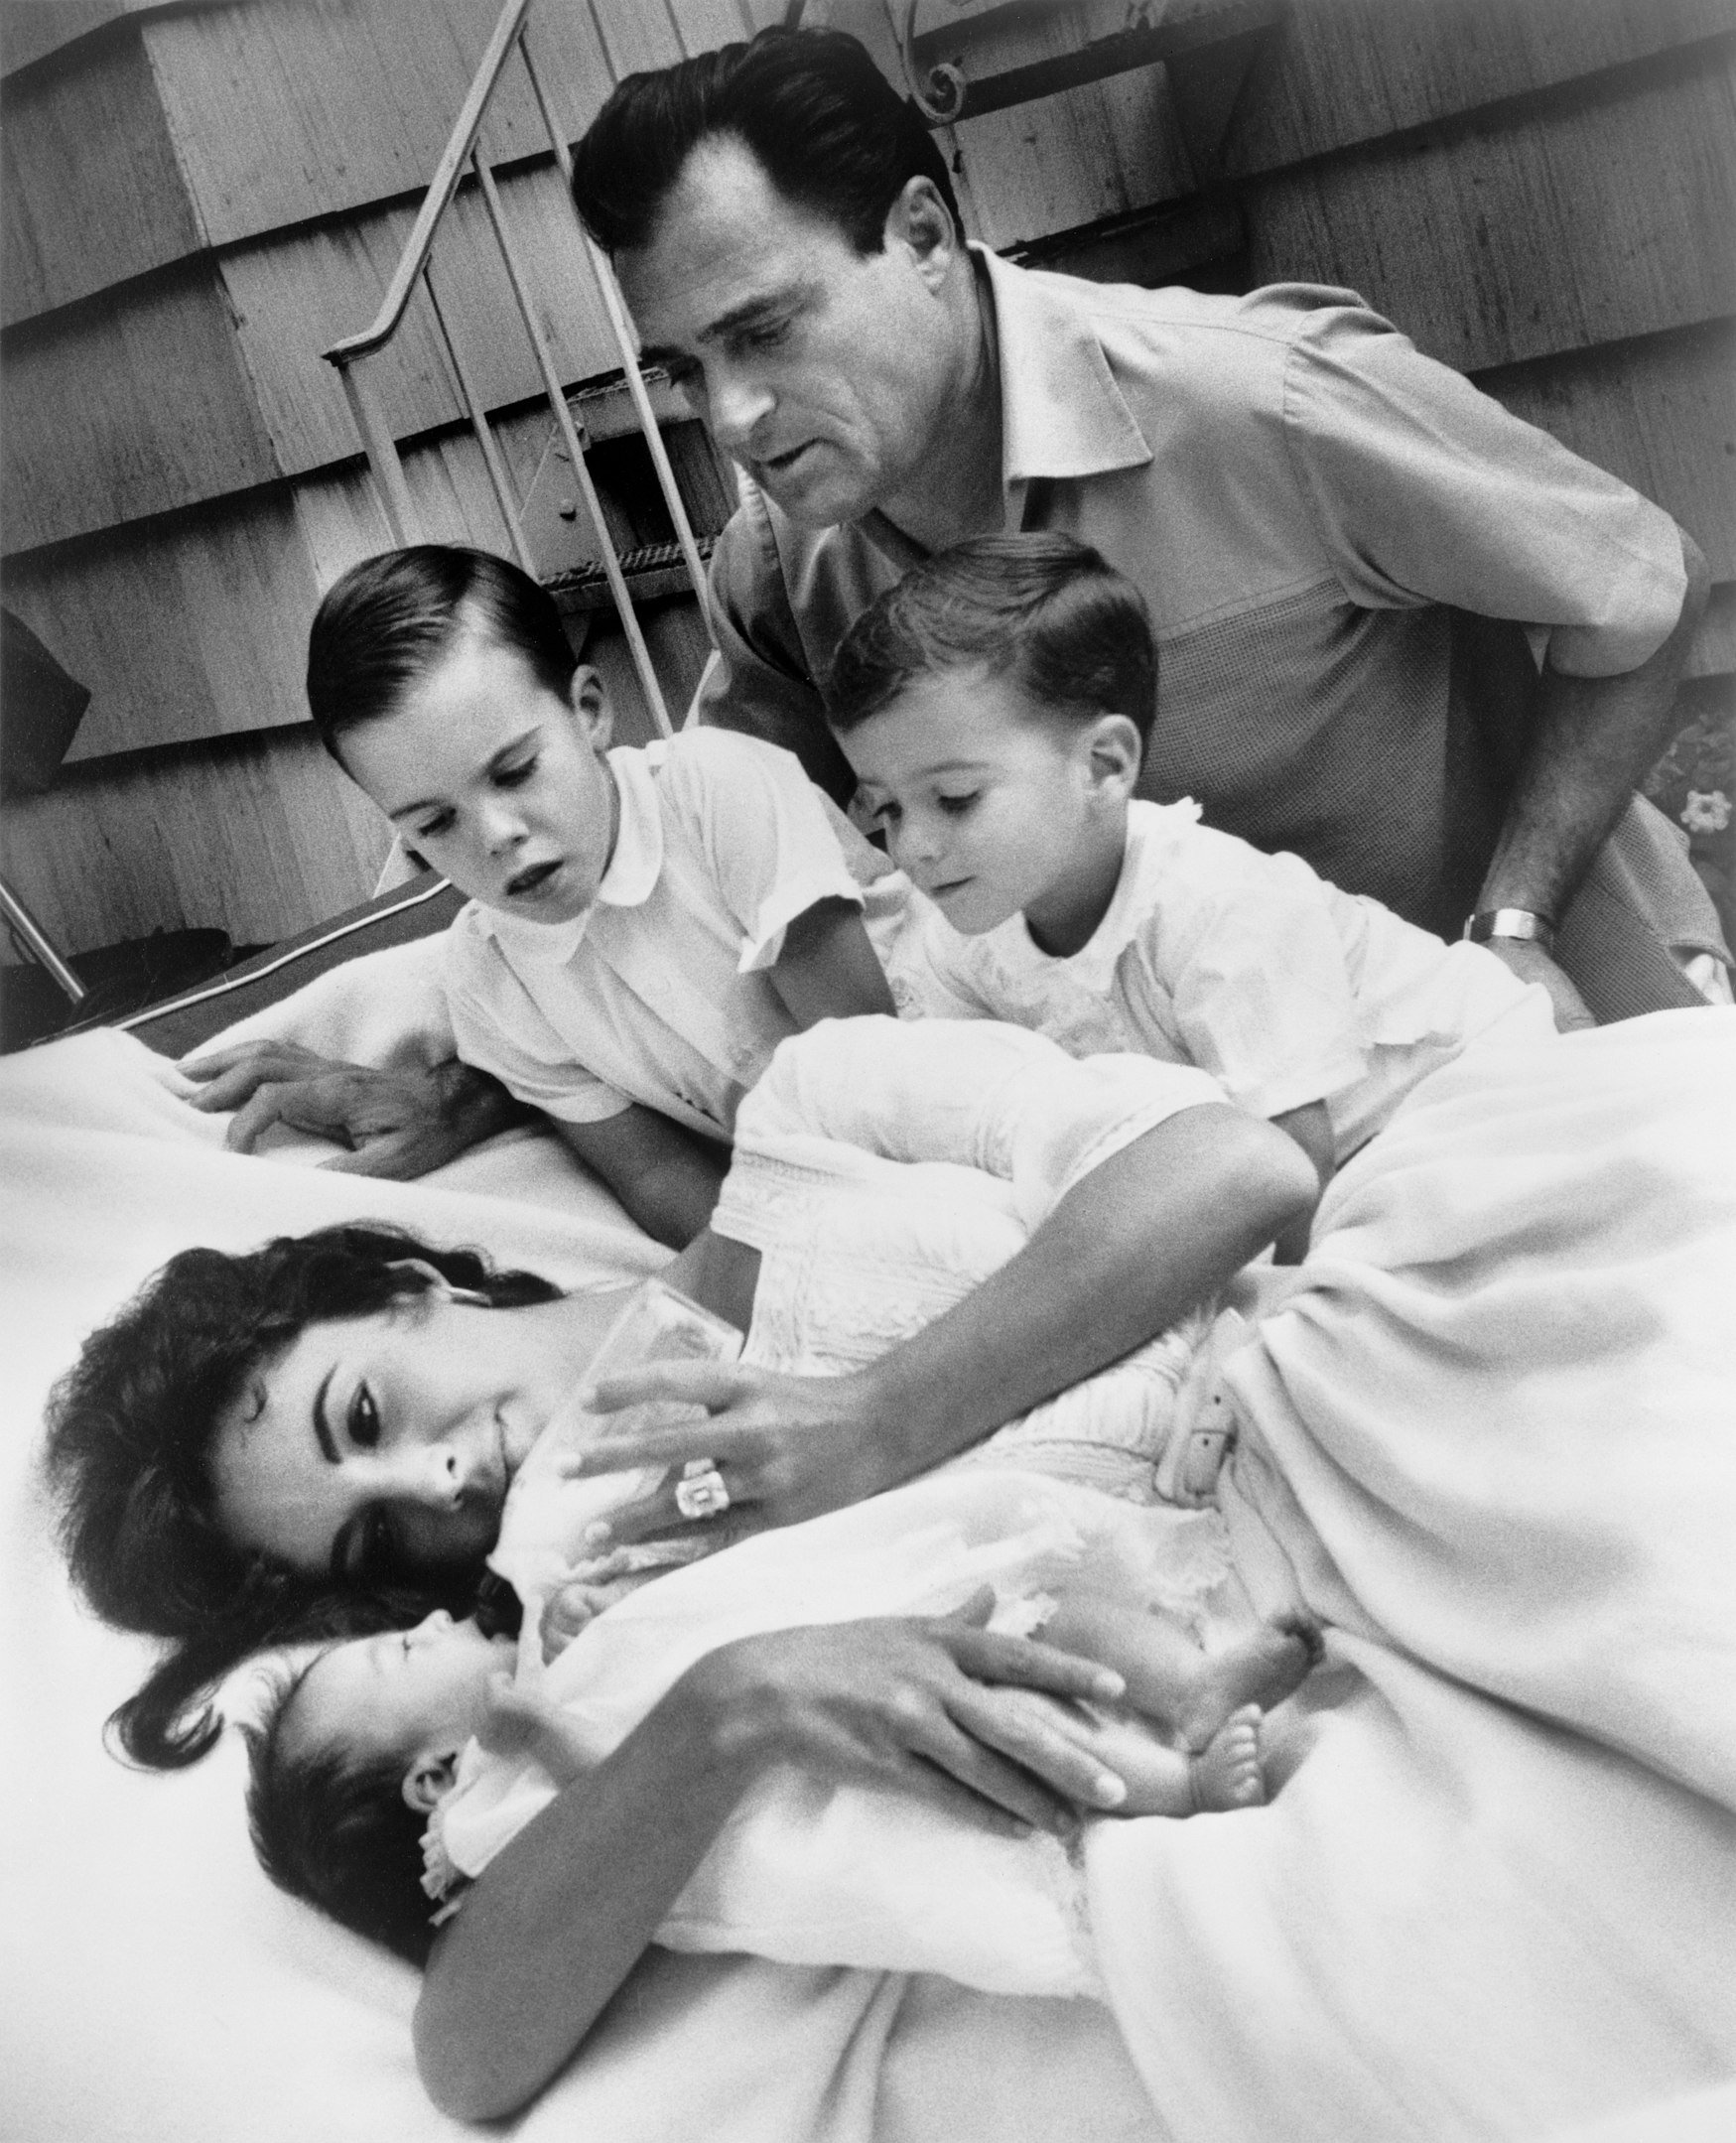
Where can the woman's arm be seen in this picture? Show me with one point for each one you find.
(552, 1930)
(1141, 1239)
(667, 1178)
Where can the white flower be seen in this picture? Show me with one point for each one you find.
(1707, 811)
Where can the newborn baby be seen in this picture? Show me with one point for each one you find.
(807, 1870)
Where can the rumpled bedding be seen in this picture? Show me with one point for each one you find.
(153, 1986)
(1489, 1436)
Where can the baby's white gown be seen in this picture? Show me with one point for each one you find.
(1489, 1436)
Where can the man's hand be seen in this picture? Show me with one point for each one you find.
(1532, 964)
(398, 1123)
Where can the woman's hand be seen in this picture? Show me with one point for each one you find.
(940, 1708)
(1138, 1240)
(560, 1917)
(786, 1447)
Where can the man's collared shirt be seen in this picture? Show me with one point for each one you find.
(1305, 501)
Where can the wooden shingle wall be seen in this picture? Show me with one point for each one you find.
(195, 201)
(199, 199)
(1541, 193)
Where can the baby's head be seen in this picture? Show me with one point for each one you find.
(441, 681)
(354, 1754)
(995, 705)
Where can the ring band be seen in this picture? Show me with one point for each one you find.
(702, 1492)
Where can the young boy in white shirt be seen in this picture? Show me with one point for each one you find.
(645, 926)
(994, 705)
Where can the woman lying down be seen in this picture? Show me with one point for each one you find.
(1485, 1439)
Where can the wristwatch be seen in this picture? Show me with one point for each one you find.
(1490, 924)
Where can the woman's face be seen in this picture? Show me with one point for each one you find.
(382, 1446)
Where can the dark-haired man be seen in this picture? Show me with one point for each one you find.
(1341, 541)
(1342, 544)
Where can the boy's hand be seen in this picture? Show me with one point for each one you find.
(397, 1124)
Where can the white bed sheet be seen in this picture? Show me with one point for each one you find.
(153, 1987)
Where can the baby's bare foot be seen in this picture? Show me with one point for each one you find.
(1227, 1774)
(1261, 1669)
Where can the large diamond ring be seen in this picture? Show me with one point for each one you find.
(701, 1491)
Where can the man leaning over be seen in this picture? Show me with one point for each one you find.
(1401, 632)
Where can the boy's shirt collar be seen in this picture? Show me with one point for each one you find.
(1150, 828)
(633, 868)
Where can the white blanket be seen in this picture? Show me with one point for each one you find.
(1497, 1899)
(153, 1986)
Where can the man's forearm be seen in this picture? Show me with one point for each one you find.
(1595, 741)
(1139, 1242)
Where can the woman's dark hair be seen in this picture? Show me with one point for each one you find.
(131, 1427)
(1042, 607)
(330, 1826)
(383, 627)
(818, 117)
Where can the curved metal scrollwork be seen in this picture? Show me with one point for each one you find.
(940, 96)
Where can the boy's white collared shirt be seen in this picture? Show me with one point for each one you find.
(1250, 966)
(660, 993)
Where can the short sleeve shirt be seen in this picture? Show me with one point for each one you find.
(1248, 966)
(661, 992)
(1311, 510)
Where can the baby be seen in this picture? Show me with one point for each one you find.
(645, 925)
(994, 705)
(378, 1737)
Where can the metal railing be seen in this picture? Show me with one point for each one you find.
(462, 151)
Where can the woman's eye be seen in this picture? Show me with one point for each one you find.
(440, 822)
(511, 778)
(364, 1421)
(955, 807)
(887, 814)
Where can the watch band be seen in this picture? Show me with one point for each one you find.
(1490, 924)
